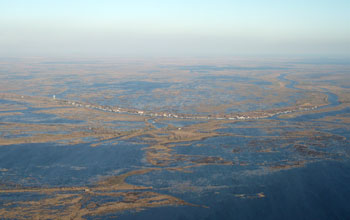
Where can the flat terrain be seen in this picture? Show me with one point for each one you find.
(174, 139)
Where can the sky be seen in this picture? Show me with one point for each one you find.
(174, 28)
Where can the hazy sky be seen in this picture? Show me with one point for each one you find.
(171, 28)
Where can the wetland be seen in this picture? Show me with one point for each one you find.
(174, 139)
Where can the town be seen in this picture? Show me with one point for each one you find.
(232, 116)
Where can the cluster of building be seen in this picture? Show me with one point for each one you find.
(238, 116)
